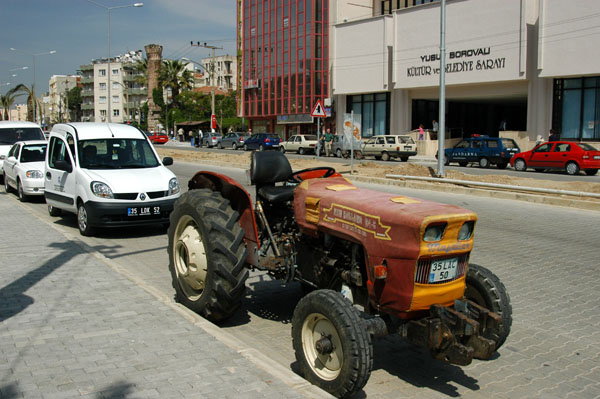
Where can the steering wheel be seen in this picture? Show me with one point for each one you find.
(297, 178)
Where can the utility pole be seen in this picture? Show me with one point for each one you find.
(211, 74)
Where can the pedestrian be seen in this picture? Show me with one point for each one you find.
(195, 138)
(191, 137)
(553, 136)
(180, 134)
(421, 132)
(328, 138)
(435, 126)
(200, 138)
(502, 124)
(171, 135)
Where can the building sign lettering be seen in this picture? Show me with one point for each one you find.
(459, 62)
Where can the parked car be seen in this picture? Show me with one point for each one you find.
(390, 146)
(262, 141)
(158, 137)
(12, 131)
(233, 140)
(484, 150)
(300, 143)
(23, 168)
(210, 139)
(341, 147)
(562, 155)
(109, 175)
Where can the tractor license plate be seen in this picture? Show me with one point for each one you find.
(143, 211)
(442, 270)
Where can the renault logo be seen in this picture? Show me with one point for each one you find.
(143, 196)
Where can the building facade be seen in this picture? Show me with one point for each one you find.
(284, 63)
(127, 95)
(520, 66)
(58, 89)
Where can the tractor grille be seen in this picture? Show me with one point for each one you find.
(424, 265)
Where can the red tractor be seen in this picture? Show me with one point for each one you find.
(374, 264)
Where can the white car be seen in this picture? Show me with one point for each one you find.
(300, 143)
(23, 168)
(109, 175)
(13, 131)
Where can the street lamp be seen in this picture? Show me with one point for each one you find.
(108, 68)
(33, 84)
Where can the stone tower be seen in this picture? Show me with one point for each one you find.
(154, 55)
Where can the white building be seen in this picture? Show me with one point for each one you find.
(532, 64)
(58, 88)
(225, 76)
(125, 96)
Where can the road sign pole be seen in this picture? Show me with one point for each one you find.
(318, 137)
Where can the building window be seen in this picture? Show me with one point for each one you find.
(116, 86)
(576, 108)
(102, 100)
(115, 72)
(115, 99)
(115, 112)
(102, 86)
(101, 72)
(103, 112)
(374, 111)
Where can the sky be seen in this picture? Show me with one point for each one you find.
(78, 31)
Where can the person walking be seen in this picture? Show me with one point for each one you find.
(180, 134)
(421, 132)
(328, 138)
(195, 137)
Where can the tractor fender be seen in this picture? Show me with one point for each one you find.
(240, 200)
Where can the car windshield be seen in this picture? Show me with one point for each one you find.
(587, 147)
(11, 135)
(407, 139)
(33, 153)
(310, 137)
(115, 153)
(509, 143)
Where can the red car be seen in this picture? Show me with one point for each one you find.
(567, 155)
(158, 137)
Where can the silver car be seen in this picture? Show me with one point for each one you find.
(341, 147)
(211, 139)
(233, 140)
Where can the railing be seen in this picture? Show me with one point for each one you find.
(87, 106)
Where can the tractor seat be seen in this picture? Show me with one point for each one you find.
(268, 168)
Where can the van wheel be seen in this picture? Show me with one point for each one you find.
(484, 163)
(385, 156)
(52, 211)
(83, 221)
(301, 151)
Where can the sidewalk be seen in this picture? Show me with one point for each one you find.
(73, 327)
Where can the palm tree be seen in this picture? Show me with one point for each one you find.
(175, 76)
(141, 66)
(7, 101)
(30, 92)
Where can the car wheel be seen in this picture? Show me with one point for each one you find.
(234, 146)
(338, 153)
(358, 155)
(282, 149)
(245, 147)
(591, 172)
(52, 211)
(301, 151)
(501, 165)
(485, 289)
(331, 343)
(20, 192)
(219, 146)
(385, 156)
(463, 164)
(572, 168)
(207, 254)
(484, 163)
(83, 221)
(7, 187)
(520, 165)
(261, 147)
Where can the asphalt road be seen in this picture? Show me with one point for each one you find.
(546, 256)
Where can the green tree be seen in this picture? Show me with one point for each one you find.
(30, 93)
(75, 101)
(7, 100)
(141, 66)
(174, 76)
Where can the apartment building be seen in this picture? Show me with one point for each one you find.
(122, 98)
(58, 89)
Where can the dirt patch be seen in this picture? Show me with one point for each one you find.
(372, 169)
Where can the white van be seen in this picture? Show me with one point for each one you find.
(13, 131)
(109, 175)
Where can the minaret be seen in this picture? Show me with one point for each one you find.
(154, 55)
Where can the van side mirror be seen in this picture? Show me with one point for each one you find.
(63, 165)
(167, 161)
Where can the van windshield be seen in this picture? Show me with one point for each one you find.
(10, 135)
(115, 153)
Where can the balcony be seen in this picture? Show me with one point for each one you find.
(137, 92)
(86, 80)
(87, 106)
(87, 93)
(88, 67)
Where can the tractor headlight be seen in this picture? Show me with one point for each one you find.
(101, 190)
(466, 231)
(34, 174)
(174, 186)
(434, 232)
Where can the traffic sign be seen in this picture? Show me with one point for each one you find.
(318, 110)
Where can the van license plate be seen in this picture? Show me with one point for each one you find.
(143, 211)
(442, 270)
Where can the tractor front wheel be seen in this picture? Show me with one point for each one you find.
(207, 255)
(485, 289)
(331, 343)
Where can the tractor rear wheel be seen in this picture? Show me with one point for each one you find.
(485, 289)
(331, 343)
(207, 254)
